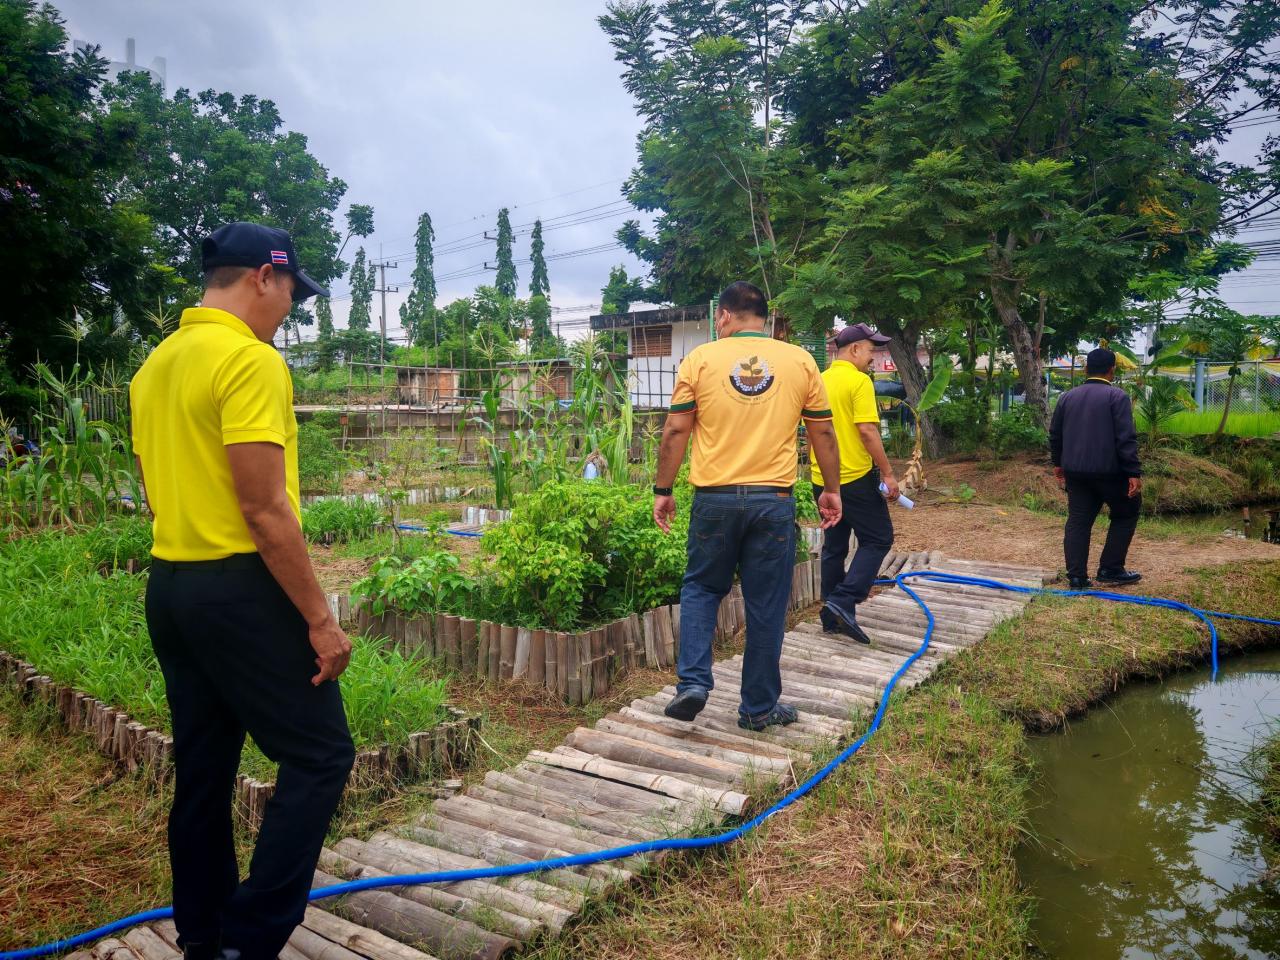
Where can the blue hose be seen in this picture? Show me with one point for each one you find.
(413, 528)
(686, 843)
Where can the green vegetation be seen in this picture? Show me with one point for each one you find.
(89, 631)
(573, 553)
(340, 521)
(1265, 760)
(1191, 423)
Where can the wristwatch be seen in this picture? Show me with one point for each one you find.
(662, 491)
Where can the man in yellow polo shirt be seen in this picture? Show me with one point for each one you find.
(742, 398)
(238, 622)
(863, 467)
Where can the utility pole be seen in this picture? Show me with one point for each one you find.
(383, 289)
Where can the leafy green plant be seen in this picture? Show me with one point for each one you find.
(1162, 400)
(1017, 430)
(321, 465)
(429, 583)
(118, 541)
(340, 521)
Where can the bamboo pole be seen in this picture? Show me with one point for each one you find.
(507, 652)
(520, 666)
(483, 635)
(538, 657)
(467, 644)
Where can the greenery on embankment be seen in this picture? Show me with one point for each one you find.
(907, 851)
(1183, 475)
(1266, 761)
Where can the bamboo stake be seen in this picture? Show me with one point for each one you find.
(524, 639)
(537, 657)
(506, 663)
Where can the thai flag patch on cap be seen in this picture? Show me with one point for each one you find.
(280, 257)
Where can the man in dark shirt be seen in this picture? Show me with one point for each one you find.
(1095, 457)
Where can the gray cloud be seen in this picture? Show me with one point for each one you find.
(456, 109)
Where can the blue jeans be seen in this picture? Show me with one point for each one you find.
(754, 535)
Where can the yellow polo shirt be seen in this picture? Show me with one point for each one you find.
(853, 401)
(210, 384)
(748, 393)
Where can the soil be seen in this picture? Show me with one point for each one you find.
(984, 531)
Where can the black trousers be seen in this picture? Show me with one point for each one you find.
(1085, 497)
(865, 515)
(236, 658)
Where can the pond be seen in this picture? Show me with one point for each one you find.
(1144, 843)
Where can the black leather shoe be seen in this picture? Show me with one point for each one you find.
(781, 715)
(1120, 577)
(1079, 583)
(685, 706)
(845, 625)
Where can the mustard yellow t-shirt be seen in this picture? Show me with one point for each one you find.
(853, 401)
(748, 393)
(212, 383)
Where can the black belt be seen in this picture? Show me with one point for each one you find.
(744, 488)
(237, 561)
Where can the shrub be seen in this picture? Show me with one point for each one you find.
(321, 465)
(1016, 431)
(960, 421)
(337, 521)
(430, 583)
(579, 552)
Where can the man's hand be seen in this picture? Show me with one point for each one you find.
(1135, 486)
(664, 511)
(830, 508)
(891, 491)
(1061, 476)
(333, 650)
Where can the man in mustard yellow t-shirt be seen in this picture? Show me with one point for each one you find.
(238, 622)
(741, 397)
(863, 467)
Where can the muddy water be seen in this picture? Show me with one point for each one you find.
(1145, 847)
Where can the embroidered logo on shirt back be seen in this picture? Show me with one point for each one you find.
(751, 376)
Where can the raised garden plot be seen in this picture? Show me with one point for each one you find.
(79, 638)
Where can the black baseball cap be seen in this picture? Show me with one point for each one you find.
(253, 244)
(855, 332)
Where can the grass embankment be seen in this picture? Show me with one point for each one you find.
(908, 850)
(89, 631)
(1194, 475)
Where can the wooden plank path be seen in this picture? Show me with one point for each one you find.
(634, 776)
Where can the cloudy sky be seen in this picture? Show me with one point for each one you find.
(456, 109)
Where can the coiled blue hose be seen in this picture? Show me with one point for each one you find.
(688, 843)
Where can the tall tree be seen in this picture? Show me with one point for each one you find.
(505, 282)
(68, 245)
(621, 291)
(539, 283)
(359, 223)
(362, 284)
(205, 159)
(539, 312)
(418, 311)
(730, 198)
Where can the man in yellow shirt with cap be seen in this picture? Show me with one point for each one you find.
(238, 622)
(863, 468)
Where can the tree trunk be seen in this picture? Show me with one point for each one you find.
(1226, 407)
(1026, 352)
(904, 348)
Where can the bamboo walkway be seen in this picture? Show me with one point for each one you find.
(634, 776)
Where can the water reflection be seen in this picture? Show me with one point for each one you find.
(1145, 849)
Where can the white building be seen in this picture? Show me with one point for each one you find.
(657, 340)
(158, 69)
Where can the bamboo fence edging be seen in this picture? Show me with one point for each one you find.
(445, 748)
(577, 666)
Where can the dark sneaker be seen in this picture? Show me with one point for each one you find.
(687, 705)
(779, 716)
(1079, 583)
(844, 624)
(1120, 577)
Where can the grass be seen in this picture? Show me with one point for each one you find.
(1266, 761)
(908, 850)
(89, 631)
(1194, 423)
(83, 842)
